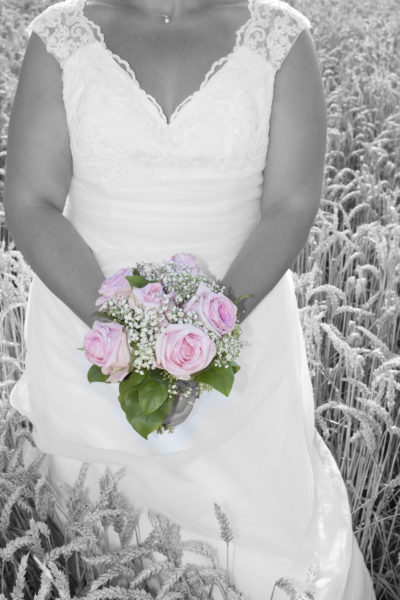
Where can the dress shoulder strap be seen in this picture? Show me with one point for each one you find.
(63, 29)
(273, 29)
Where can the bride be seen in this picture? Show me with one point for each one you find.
(145, 128)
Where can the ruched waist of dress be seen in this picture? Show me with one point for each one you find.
(168, 189)
(153, 217)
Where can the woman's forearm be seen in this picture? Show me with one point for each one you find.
(266, 255)
(59, 256)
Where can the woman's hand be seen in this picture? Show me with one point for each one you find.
(183, 404)
(179, 412)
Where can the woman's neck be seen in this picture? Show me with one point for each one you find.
(173, 8)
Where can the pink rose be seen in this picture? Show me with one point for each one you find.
(148, 296)
(106, 345)
(183, 350)
(116, 285)
(187, 260)
(215, 310)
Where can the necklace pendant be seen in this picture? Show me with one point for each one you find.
(166, 19)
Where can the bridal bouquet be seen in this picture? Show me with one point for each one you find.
(164, 331)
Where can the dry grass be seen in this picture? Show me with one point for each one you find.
(347, 276)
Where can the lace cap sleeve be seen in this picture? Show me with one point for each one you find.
(277, 27)
(62, 29)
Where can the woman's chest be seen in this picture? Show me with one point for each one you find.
(115, 126)
(170, 61)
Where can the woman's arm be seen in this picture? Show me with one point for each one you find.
(292, 178)
(38, 176)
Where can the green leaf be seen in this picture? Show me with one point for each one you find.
(132, 381)
(95, 374)
(128, 399)
(137, 281)
(240, 298)
(235, 366)
(152, 394)
(210, 366)
(220, 378)
(143, 424)
(157, 375)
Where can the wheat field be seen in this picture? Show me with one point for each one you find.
(347, 281)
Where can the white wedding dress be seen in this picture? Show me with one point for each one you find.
(145, 187)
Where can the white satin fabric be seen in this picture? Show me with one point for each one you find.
(145, 188)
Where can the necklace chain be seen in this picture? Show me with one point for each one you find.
(167, 17)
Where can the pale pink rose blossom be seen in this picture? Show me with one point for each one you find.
(214, 309)
(114, 286)
(106, 345)
(147, 296)
(184, 349)
(187, 260)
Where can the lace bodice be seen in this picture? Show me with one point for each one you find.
(117, 128)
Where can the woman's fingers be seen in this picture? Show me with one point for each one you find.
(180, 414)
(183, 404)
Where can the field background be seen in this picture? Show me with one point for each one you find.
(347, 283)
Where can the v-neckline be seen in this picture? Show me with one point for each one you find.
(127, 68)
